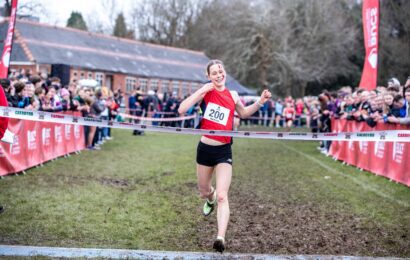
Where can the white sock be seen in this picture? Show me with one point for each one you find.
(221, 238)
(214, 197)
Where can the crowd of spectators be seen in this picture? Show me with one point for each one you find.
(386, 104)
(152, 104)
(39, 92)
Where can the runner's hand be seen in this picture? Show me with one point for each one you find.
(207, 87)
(265, 96)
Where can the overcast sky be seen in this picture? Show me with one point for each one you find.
(58, 11)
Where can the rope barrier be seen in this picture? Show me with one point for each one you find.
(385, 136)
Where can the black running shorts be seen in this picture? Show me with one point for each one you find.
(210, 155)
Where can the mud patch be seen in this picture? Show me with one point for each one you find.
(113, 182)
(290, 227)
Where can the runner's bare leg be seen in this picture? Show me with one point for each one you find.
(204, 174)
(223, 182)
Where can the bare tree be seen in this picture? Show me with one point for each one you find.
(96, 25)
(164, 22)
(278, 44)
(394, 40)
(110, 10)
(27, 8)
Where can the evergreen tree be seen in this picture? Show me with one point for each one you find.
(76, 20)
(120, 28)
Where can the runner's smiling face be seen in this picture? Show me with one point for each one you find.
(217, 75)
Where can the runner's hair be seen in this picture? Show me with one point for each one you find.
(213, 62)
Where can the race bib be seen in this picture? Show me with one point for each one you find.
(216, 113)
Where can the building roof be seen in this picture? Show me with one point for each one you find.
(47, 44)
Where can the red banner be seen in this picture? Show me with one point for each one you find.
(389, 159)
(8, 43)
(38, 142)
(370, 17)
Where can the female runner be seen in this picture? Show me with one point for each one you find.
(214, 153)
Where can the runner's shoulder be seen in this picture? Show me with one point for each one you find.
(234, 95)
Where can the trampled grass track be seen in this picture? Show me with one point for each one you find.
(140, 193)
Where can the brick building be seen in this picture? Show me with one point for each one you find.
(116, 63)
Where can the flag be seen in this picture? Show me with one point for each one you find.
(8, 43)
(5, 61)
(370, 17)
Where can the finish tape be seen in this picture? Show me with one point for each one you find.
(166, 119)
(386, 136)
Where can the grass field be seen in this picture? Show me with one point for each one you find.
(140, 193)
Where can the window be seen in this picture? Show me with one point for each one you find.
(143, 85)
(165, 86)
(185, 89)
(195, 86)
(130, 84)
(175, 87)
(154, 84)
(90, 75)
(82, 75)
(99, 78)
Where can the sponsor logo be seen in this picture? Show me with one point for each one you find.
(143, 126)
(348, 136)
(75, 119)
(46, 135)
(372, 59)
(57, 116)
(211, 132)
(330, 134)
(31, 140)
(76, 131)
(365, 135)
(398, 151)
(363, 146)
(350, 145)
(372, 32)
(6, 112)
(24, 113)
(41, 115)
(110, 123)
(15, 148)
(67, 132)
(314, 135)
(96, 120)
(403, 135)
(382, 136)
(280, 135)
(247, 134)
(298, 134)
(379, 149)
(57, 134)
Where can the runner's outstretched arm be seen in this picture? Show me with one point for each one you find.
(245, 112)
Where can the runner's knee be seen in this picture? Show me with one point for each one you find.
(222, 197)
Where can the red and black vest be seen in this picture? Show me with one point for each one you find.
(218, 108)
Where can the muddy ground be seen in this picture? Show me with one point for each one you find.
(263, 227)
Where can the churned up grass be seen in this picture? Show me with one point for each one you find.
(139, 192)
